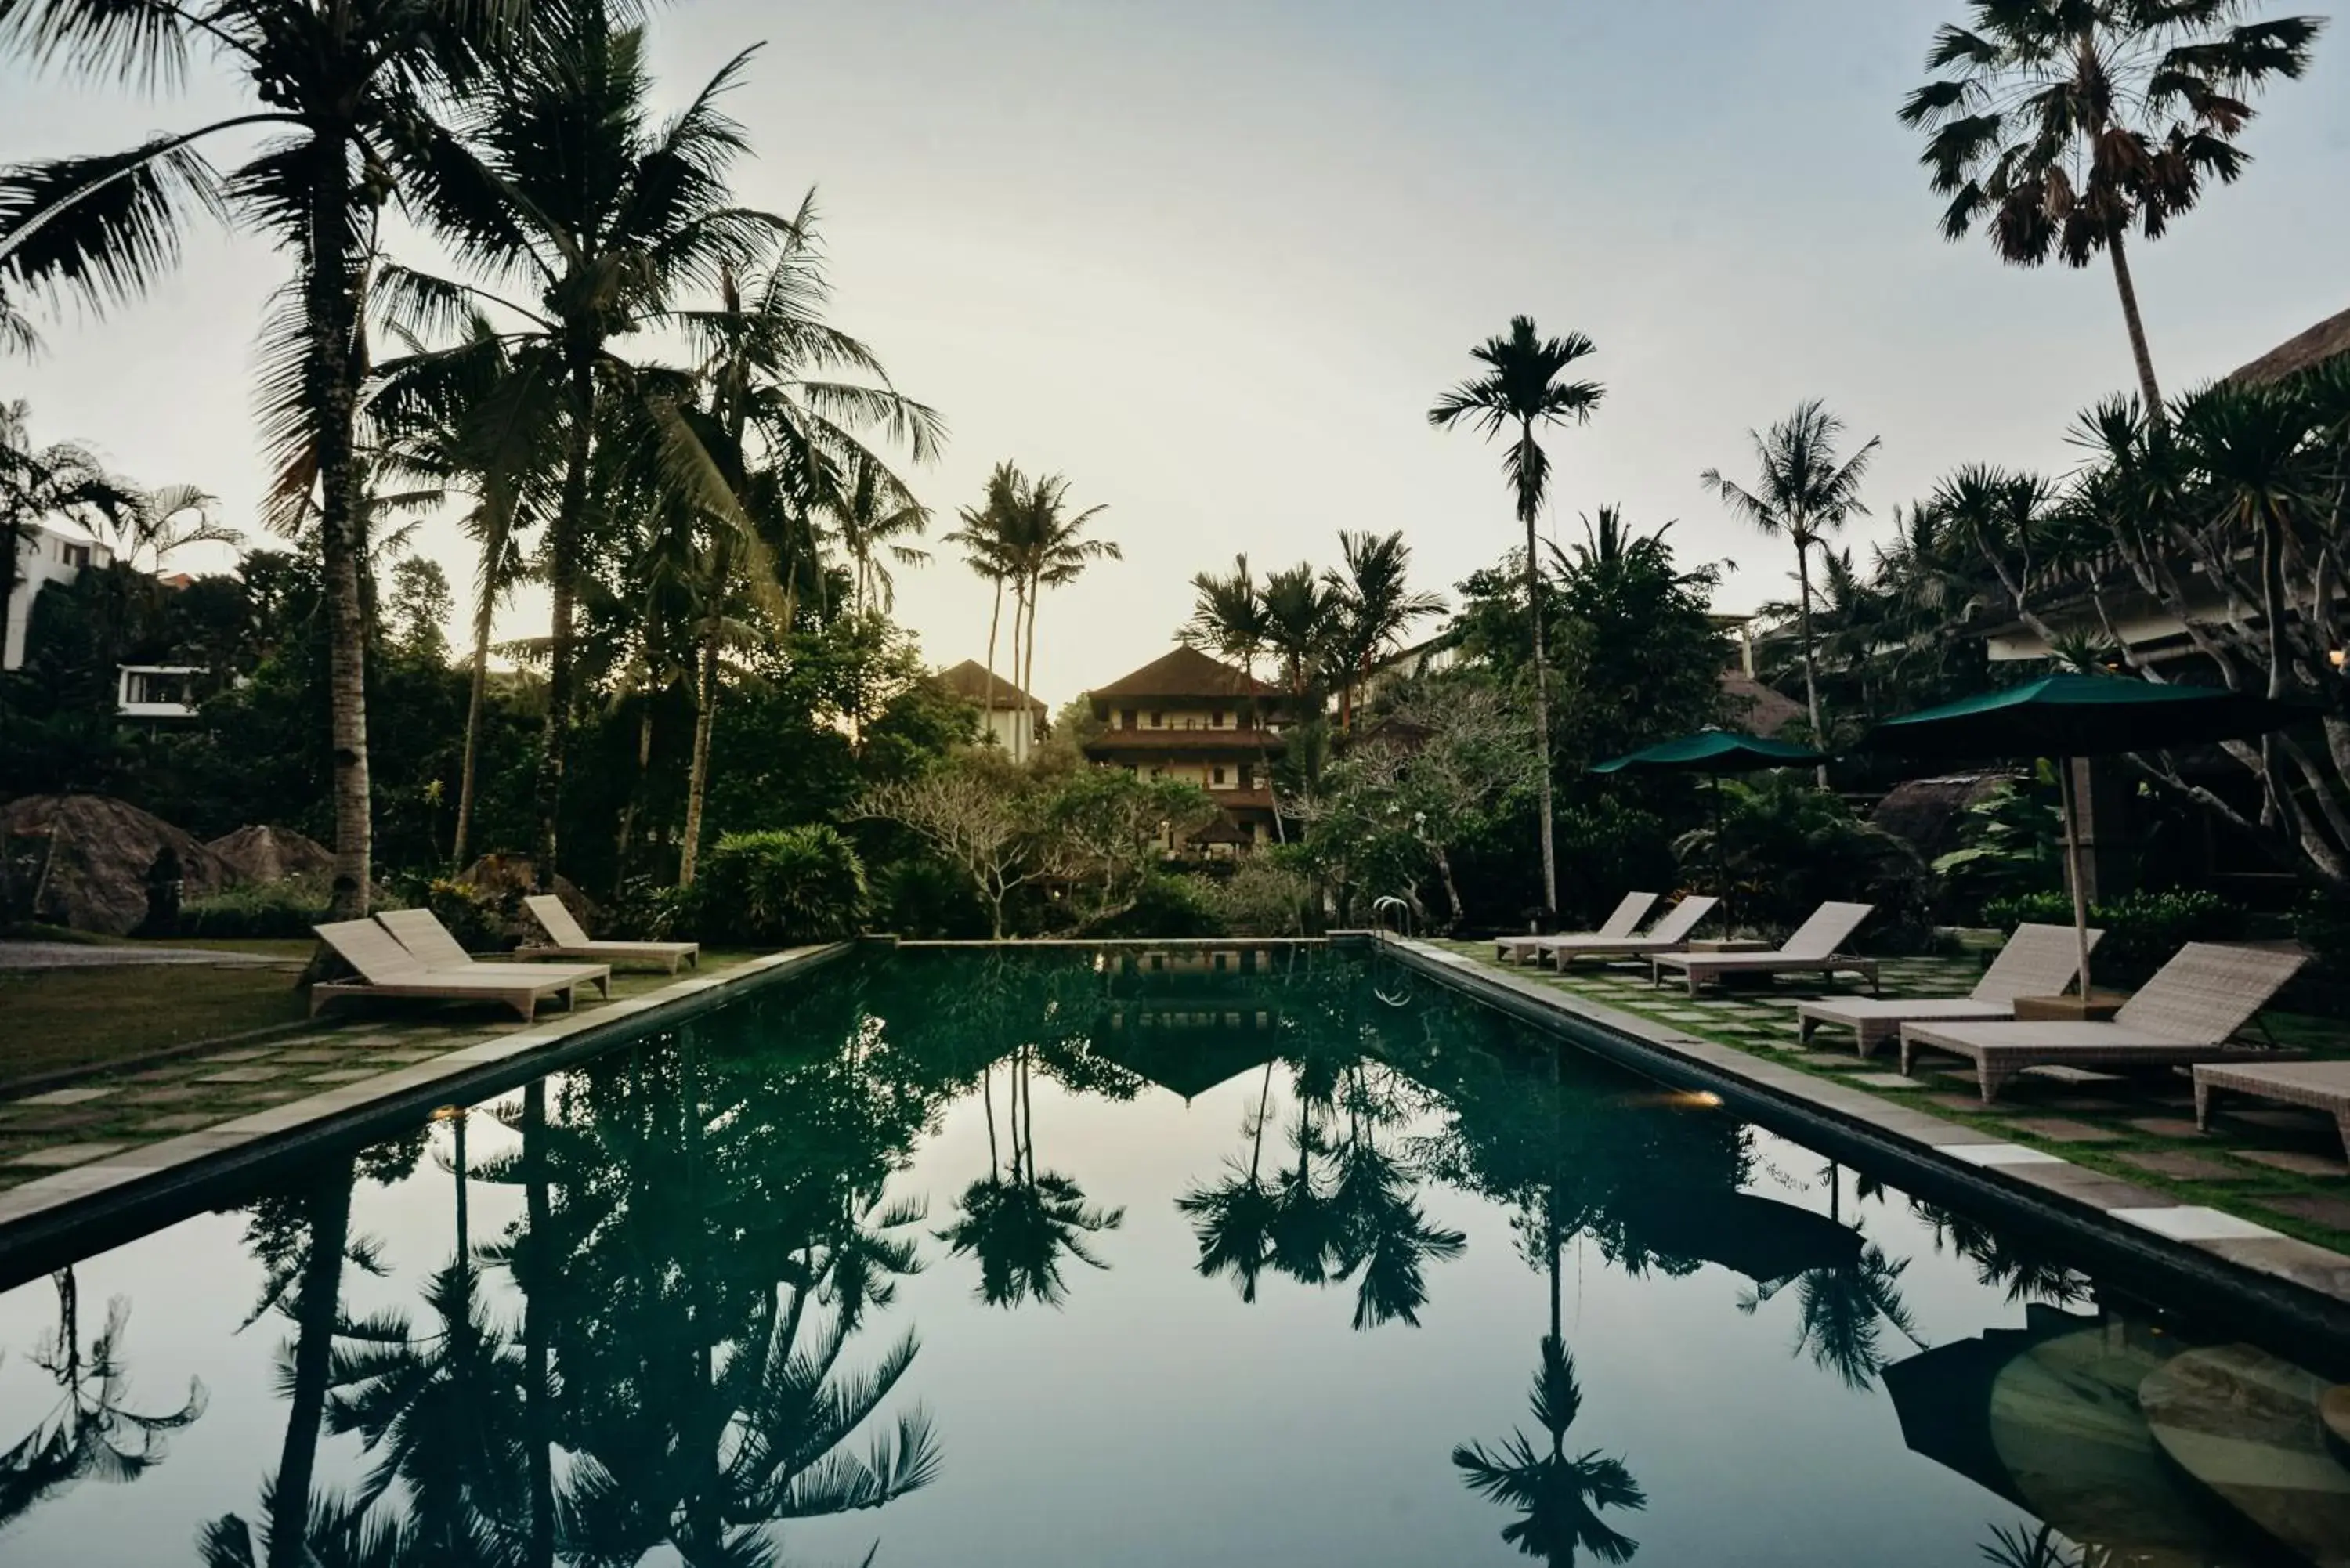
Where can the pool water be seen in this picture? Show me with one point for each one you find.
(1264, 1257)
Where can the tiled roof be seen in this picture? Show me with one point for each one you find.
(968, 681)
(1185, 672)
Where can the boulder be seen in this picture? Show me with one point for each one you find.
(271, 854)
(84, 861)
(1930, 812)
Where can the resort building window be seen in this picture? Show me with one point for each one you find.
(1158, 720)
(1219, 779)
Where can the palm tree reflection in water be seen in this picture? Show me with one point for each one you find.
(1020, 1225)
(1558, 1497)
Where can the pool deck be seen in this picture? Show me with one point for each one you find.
(2052, 1153)
(104, 1155)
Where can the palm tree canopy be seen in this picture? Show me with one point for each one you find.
(1521, 389)
(1804, 489)
(2062, 124)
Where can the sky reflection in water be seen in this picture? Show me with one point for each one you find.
(1043, 1262)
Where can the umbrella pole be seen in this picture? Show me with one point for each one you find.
(2073, 870)
(1721, 859)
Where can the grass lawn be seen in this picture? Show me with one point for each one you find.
(87, 1017)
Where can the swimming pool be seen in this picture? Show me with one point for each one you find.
(1066, 1257)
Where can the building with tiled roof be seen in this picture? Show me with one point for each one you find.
(1187, 716)
(1011, 717)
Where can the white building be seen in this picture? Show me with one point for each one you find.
(1014, 720)
(44, 555)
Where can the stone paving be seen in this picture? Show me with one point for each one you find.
(2278, 1167)
(114, 1111)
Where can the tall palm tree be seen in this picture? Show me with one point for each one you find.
(586, 220)
(1049, 550)
(875, 516)
(63, 480)
(1804, 492)
(985, 539)
(1022, 1222)
(1520, 389)
(1376, 607)
(1228, 615)
(2063, 125)
(475, 419)
(346, 93)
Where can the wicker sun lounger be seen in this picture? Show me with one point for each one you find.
(1663, 937)
(1810, 948)
(2184, 1015)
(2321, 1085)
(2038, 961)
(421, 933)
(387, 968)
(573, 942)
(1622, 923)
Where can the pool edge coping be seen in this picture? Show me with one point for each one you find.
(83, 1209)
(2135, 1228)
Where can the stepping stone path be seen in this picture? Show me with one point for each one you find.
(2293, 1160)
(2317, 1209)
(2059, 1130)
(2181, 1164)
(2166, 1126)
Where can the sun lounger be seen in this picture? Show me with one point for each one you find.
(2184, 1015)
(387, 968)
(421, 933)
(572, 943)
(1810, 948)
(1663, 937)
(2038, 961)
(2321, 1085)
(1622, 923)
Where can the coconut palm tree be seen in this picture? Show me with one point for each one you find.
(1233, 1218)
(62, 481)
(586, 220)
(1520, 389)
(1804, 491)
(1377, 607)
(344, 97)
(874, 516)
(1020, 1223)
(1048, 550)
(2063, 125)
(475, 419)
(985, 539)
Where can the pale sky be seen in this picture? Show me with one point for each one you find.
(1213, 259)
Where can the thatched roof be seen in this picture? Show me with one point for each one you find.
(2329, 339)
(271, 854)
(87, 857)
(1928, 813)
(970, 681)
(1185, 672)
(1223, 830)
(1754, 707)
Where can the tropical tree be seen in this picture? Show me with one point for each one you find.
(985, 538)
(2063, 125)
(1519, 389)
(1019, 1223)
(875, 516)
(586, 220)
(346, 97)
(1558, 1497)
(1048, 549)
(64, 481)
(1377, 607)
(1804, 491)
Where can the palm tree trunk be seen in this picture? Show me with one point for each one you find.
(333, 373)
(1026, 732)
(1811, 675)
(11, 534)
(636, 790)
(698, 781)
(472, 732)
(563, 579)
(318, 1312)
(987, 705)
(1542, 698)
(2139, 352)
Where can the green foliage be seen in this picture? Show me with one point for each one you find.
(1605, 848)
(1265, 896)
(2322, 926)
(1166, 905)
(474, 915)
(644, 910)
(286, 907)
(922, 896)
(2011, 843)
(786, 885)
(2142, 929)
(1788, 848)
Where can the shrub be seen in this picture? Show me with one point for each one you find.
(1263, 898)
(792, 884)
(644, 910)
(286, 907)
(922, 896)
(2322, 926)
(1164, 905)
(2142, 929)
(474, 915)
(1789, 847)
(1605, 849)
(2011, 843)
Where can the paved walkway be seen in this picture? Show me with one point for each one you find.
(2266, 1187)
(96, 955)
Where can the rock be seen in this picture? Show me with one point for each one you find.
(271, 854)
(1929, 812)
(82, 860)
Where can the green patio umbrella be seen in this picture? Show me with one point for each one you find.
(1711, 751)
(2066, 716)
